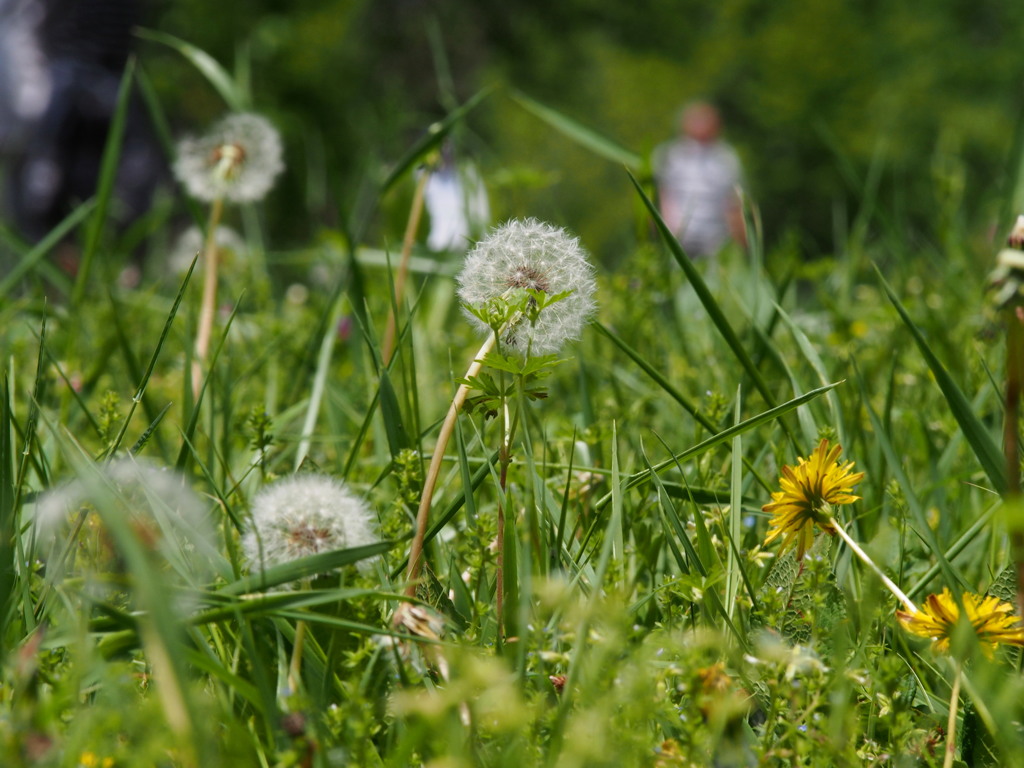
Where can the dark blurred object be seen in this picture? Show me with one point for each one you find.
(61, 62)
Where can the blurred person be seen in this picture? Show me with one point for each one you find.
(699, 177)
(456, 201)
(61, 64)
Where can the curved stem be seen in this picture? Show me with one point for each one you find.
(430, 481)
(889, 584)
(208, 308)
(415, 212)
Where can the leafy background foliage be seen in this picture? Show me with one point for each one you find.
(650, 627)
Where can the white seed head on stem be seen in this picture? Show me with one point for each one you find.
(237, 160)
(304, 515)
(533, 255)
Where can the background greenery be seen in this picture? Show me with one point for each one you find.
(821, 97)
(873, 135)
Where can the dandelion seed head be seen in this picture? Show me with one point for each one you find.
(532, 255)
(153, 503)
(238, 159)
(304, 515)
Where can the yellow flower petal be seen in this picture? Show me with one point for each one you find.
(993, 620)
(809, 490)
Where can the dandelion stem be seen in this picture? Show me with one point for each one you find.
(954, 702)
(434, 470)
(208, 308)
(415, 212)
(889, 584)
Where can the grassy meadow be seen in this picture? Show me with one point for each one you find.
(645, 618)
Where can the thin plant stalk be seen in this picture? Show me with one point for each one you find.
(889, 584)
(504, 461)
(504, 458)
(954, 702)
(208, 308)
(1011, 450)
(434, 470)
(295, 667)
(415, 213)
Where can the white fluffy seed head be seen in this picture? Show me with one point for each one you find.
(304, 515)
(154, 503)
(532, 254)
(238, 159)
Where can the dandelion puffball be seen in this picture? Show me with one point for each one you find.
(153, 503)
(304, 515)
(532, 254)
(238, 160)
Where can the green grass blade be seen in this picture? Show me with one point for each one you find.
(732, 526)
(658, 378)
(723, 436)
(391, 412)
(586, 137)
(8, 514)
(435, 135)
(44, 246)
(323, 365)
(137, 397)
(304, 567)
(985, 448)
(921, 527)
(217, 76)
(714, 311)
(105, 185)
(144, 437)
(193, 420)
(452, 509)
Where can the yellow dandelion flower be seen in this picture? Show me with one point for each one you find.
(992, 619)
(809, 491)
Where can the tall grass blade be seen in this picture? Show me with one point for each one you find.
(978, 436)
(217, 76)
(586, 137)
(105, 186)
(137, 397)
(9, 491)
(721, 437)
(435, 135)
(714, 310)
(44, 246)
